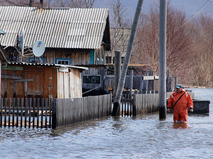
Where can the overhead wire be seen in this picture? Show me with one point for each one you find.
(194, 14)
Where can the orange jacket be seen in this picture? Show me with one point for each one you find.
(181, 107)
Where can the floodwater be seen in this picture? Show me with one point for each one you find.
(116, 137)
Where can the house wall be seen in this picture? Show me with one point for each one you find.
(77, 57)
(29, 82)
(69, 83)
(94, 80)
(100, 56)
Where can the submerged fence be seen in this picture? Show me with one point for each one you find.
(28, 112)
(138, 104)
(49, 113)
(70, 111)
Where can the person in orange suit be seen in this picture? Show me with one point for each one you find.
(180, 101)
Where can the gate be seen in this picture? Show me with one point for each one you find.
(26, 112)
(126, 105)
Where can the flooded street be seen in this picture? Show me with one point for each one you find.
(116, 137)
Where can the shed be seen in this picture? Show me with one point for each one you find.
(36, 80)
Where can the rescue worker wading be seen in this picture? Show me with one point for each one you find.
(180, 101)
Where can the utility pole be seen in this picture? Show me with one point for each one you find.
(162, 60)
(126, 60)
(117, 71)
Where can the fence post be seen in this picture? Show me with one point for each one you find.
(141, 85)
(131, 81)
(54, 125)
(1, 112)
(134, 105)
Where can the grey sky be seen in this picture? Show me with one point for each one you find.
(190, 7)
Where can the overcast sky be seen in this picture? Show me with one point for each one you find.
(190, 7)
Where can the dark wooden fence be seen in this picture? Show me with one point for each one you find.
(48, 113)
(26, 112)
(69, 111)
(126, 105)
(138, 104)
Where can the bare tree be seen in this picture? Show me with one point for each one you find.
(179, 45)
(75, 3)
(120, 31)
(30, 3)
(203, 44)
(56, 3)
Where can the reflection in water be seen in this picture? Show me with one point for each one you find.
(180, 125)
(143, 136)
(118, 125)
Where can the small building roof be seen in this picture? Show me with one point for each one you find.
(46, 65)
(76, 28)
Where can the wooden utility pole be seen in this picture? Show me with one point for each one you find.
(121, 83)
(117, 71)
(162, 60)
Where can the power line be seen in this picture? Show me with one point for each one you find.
(195, 14)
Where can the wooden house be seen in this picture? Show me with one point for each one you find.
(72, 36)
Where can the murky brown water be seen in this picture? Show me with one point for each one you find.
(117, 138)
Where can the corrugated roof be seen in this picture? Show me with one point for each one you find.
(57, 28)
(47, 65)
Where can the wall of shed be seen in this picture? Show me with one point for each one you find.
(29, 81)
(95, 71)
(69, 83)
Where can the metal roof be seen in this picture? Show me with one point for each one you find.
(47, 65)
(57, 28)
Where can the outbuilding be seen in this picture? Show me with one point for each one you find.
(37, 80)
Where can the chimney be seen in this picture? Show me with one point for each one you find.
(41, 3)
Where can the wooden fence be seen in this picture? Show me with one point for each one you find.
(69, 111)
(28, 112)
(47, 113)
(146, 103)
(126, 105)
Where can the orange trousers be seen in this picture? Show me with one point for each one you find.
(180, 116)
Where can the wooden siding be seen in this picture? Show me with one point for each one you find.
(78, 57)
(69, 111)
(100, 54)
(50, 81)
(29, 81)
(69, 83)
(95, 70)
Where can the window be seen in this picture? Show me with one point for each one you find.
(63, 61)
(92, 79)
(92, 55)
(36, 59)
